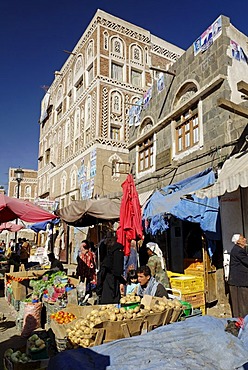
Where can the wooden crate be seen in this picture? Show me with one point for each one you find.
(195, 299)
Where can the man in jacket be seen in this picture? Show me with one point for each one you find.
(148, 284)
(238, 277)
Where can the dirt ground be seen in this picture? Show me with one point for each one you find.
(10, 336)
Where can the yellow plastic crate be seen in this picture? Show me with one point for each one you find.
(171, 274)
(187, 283)
(196, 300)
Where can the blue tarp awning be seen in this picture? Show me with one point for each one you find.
(169, 200)
(39, 226)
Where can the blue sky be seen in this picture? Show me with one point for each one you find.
(34, 33)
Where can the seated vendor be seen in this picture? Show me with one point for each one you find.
(148, 284)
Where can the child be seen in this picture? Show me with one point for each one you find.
(132, 282)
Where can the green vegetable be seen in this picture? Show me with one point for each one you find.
(8, 352)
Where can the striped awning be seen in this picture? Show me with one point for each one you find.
(233, 174)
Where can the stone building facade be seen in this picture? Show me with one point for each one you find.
(197, 121)
(84, 130)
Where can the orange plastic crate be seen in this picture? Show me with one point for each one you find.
(195, 299)
(187, 283)
(193, 263)
(194, 272)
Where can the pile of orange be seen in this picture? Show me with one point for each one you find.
(62, 317)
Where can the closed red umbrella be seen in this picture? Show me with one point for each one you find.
(12, 208)
(9, 226)
(130, 227)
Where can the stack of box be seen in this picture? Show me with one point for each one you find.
(191, 288)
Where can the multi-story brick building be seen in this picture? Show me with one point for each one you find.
(84, 123)
(27, 191)
(27, 187)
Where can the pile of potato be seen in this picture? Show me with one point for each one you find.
(130, 298)
(83, 331)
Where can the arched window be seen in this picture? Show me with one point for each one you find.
(105, 40)
(117, 47)
(116, 101)
(27, 192)
(69, 81)
(73, 178)
(136, 54)
(59, 94)
(63, 183)
(187, 133)
(67, 131)
(88, 112)
(77, 123)
(115, 161)
(89, 53)
(78, 65)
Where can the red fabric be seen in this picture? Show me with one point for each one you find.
(12, 208)
(130, 227)
(10, 227)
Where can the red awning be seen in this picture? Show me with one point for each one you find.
(12, 208)
(9, 226)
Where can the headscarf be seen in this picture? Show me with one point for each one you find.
(156, 250)
(235, 238)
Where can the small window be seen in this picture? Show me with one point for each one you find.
(146, 155)
(47, 156)
(136, 78)
(105, 40)
(115, 133)
(87, 136)
(117, 72)
(59, 111)
(90, 74)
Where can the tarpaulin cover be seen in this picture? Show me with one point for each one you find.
(130, 215)
(168, 200)
(12, 208)
(39, 226)
(90, 211)
(196, 343)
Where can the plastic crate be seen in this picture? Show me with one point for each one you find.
(195, 299)
(193, 263)
(194, 272)
(171, 274)
(61, 344)
(187, 283)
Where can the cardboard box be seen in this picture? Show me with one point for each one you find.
(21, 288)
(79, 311)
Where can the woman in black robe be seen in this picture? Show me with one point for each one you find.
(110, 275)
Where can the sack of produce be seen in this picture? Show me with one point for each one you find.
(32, 318)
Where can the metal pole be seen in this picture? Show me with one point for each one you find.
(18, 195)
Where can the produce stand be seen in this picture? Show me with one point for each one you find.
(76, 326)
